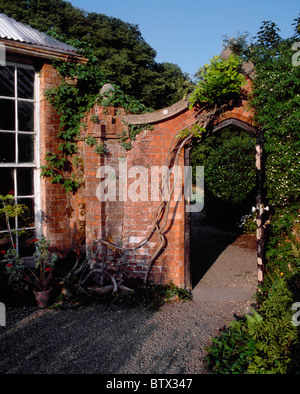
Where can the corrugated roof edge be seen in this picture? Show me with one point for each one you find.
(16, 31)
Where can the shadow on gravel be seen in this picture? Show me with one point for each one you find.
(208, 241)
(86, 340)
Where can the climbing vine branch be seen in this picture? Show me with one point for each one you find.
(72, 102)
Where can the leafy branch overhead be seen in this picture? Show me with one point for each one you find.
(219, 82)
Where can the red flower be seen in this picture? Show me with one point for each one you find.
(48, 269)
(3, 251)
(35, 240)
(9, 265)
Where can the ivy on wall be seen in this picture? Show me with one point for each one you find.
(72, 102)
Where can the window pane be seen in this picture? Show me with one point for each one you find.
(3, 223)
(7, 181)
(25, 116)
(12, 220)
(7, 81)
(25, 181)
(7, 148)
(7, 114)
(26, 148)
(26, 244)
(2, 226)
(26, 219)
(25, 83)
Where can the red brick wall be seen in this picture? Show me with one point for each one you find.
(130, 221)
(70, 220)
(63, 215)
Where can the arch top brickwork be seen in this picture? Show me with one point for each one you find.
(129, 222)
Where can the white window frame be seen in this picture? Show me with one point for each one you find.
(35, 165)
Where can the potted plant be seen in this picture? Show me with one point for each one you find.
(9, 209)
(39, 276)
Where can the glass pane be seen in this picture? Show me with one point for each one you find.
(8, 215)
(7, 81)
(7, 114)
(2, 225)
(25, 181)
(26, 148)
(25, 83)
(7, 181)
(26, 244)
(7, 148)
(26, 219)
(25, 116)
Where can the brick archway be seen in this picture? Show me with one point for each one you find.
(130, 223)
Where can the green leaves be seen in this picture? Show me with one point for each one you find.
(260, 343)
(9, 208)
(276, 101)
(274, 339)
(196, 130)
(117, 98)
(219, 82)
(72, 103)
(126, 138)
(228, 158)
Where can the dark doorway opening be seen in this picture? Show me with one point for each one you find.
(218, 225)
(208, 240)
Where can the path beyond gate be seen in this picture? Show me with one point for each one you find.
(121, 196)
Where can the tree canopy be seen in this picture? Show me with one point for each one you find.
(276, 103)
(124, 56)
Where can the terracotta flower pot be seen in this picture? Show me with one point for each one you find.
(42, 297)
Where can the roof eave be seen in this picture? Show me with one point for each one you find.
(42, 52)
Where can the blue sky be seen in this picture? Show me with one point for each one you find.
(190, 33)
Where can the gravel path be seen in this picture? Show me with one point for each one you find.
(103, 340)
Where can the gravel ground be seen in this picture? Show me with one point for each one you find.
(105, 340)
(102, 340)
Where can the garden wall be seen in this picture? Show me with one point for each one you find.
(69, 221)
(128, 222)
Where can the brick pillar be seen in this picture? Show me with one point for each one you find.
(63, 222)
(55, 223)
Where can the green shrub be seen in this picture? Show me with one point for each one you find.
(261, 343)
(248, 223)
(219, 82)
(230, 352)
(268, 342)
(275, 335)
